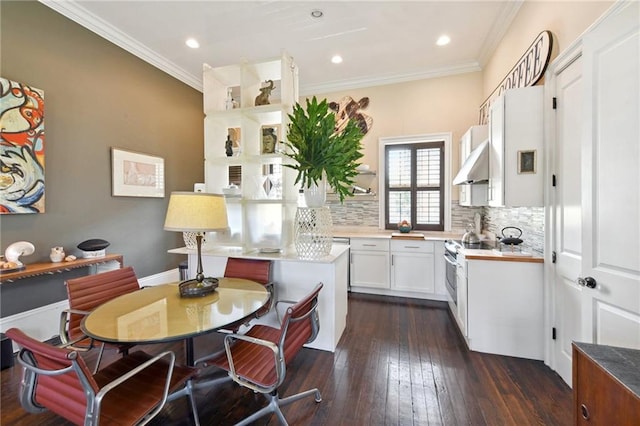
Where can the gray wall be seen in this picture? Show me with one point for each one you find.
(97, 96)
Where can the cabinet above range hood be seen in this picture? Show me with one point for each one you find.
(476, 167)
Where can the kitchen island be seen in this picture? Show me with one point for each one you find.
(294, 278)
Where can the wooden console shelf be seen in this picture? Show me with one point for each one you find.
(51, 268)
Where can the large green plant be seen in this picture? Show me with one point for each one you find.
(316, 147)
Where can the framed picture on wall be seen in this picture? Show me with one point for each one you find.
(136, 175)
(526, 161)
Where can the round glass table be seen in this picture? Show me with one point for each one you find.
(159, 314)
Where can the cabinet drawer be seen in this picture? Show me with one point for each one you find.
(374, 244)
(419, 246)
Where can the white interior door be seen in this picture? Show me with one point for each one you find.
(567, 212)
(611, 180)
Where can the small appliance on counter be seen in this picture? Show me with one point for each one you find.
(510, 242)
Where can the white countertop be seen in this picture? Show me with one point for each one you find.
(289, 254)
(373, 232)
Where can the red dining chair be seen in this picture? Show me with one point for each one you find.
(131, 390)
(258, 359)
(258, 270)
(85, 294)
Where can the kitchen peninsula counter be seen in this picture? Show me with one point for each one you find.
(294, 278)
(372, 232)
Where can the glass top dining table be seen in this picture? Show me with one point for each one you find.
(158, 314)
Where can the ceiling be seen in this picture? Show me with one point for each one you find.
(382, 42)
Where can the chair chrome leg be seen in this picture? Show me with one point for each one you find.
(95, 369)
(293, 398)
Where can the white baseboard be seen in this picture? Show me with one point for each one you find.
(165, 277)
(42, 323)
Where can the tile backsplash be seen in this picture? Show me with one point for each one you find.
(365, 212)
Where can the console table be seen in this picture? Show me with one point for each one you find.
(51, 268)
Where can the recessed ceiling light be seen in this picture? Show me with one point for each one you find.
(192, 43)
(316, 13)
(443, 40)
(336, 59)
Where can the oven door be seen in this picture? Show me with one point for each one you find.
(451, 272)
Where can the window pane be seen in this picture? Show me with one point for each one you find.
(399, 206)
(428, 167)
(399, 163)
(428, 207)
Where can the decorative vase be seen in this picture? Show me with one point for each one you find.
(313, 236)
(316, 194)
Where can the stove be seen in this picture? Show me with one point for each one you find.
(452, 246)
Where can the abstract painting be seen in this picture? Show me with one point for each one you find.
(21, 148)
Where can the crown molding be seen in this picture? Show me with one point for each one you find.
(81, 16)
(500, 27)
(72, 10)
(337, 86)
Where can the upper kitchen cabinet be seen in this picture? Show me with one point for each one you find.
(516, 148)
(475, 194)
(243, 147)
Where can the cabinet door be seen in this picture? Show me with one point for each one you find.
(461, 281)
(412, 272)
(465, 150)
(370, 269)
(599, 398)
(496, 153)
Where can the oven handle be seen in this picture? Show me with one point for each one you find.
(450, 260)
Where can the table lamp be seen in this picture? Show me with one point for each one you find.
(197, 212)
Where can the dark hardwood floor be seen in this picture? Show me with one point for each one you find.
(399, 362)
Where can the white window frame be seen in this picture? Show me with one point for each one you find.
(414, 139)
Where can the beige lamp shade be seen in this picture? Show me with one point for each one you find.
(195, 212)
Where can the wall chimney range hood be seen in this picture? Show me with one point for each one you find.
(476, 167)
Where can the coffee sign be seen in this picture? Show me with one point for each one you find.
(526, 72)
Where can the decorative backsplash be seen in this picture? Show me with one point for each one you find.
(529, 219)
(354, 213)
(361, 212)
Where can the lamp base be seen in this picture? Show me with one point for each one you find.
(192, 288)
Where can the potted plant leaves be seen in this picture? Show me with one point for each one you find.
(320, 153)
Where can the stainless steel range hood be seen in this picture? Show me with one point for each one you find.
(476, 167)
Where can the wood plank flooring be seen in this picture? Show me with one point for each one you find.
(400, 362)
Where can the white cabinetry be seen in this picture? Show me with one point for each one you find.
(261, 217)
(412, 266)
(461, 293)
(370, 262)
(516, 144)
(504, 307)
(476, 194)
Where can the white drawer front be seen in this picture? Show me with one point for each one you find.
(419, 246)
(375, 244)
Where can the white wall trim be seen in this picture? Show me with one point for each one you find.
(40, 323)
(165, 277)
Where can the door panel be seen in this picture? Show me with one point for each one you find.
(611, 178)
(568, 215)
(616, 327)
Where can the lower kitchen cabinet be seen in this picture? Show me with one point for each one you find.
(605, 385)
(412, 266)
(504, 312)
(398, 267)
(370, 262)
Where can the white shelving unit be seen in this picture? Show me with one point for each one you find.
(261, 216)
